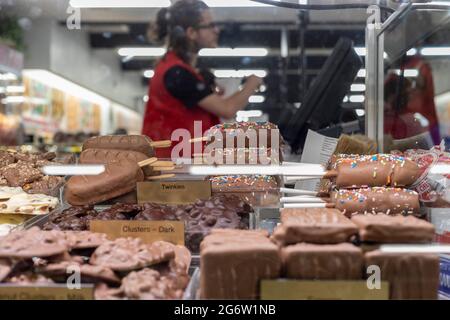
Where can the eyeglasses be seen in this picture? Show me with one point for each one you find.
(211, 25)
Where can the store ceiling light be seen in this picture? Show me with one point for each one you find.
(235, 52)
(411, 52)
(361, 73)
(239, 73)
(356, 87)
(435, 51)
(74, 170)
(120, 3)
(15, 89)
(404, 248)
(8, 76)
(14, 100)
(357, 98)
(360, 112)
(149, 74)
(141, 52)
(54, 81)
(256, 99)
(249, 113)
(234, 3)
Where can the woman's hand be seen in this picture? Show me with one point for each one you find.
(253, 82)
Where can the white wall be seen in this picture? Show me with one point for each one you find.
(53, 47)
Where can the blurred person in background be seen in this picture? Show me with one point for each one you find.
(179, 94)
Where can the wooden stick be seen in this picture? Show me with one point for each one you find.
(160, 177)
(164, 168)
(163, 164)
(200, 139)
(308, 205)
(301, 200)
(161, 144)
(147, 162)
(298, 191)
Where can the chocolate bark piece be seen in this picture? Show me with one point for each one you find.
(376, 200)
(314, 225)
(121, 211)
(375, 171)
(32, 243)
(382, 228)
(84, 239)
(89, 273)
(6, 158)
(410, 275)
(148, 284)
(27, 279)
(19, 174)
(244, 183)
(138, 143)
(120, 177)
(5, 268)
(126, 254)
(46, 185)
(306, 261)
(233, 270)
(104, 292)
(3, 181)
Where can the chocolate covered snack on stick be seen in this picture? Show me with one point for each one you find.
(376, 200)
(138, 143)
(119, 177)
(382, 228)
(375, 171)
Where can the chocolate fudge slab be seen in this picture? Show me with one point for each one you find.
(410, 275)
(233, 270)
(306, 261)
(383, 228)
(314, 225)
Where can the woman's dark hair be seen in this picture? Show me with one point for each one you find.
(174, 21)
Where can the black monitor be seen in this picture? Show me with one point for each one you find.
(322, 104)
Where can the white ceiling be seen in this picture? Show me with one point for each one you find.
(58, 9)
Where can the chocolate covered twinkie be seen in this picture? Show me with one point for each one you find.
(376, 200)
(375, 171)
(244, 183)
(382, 228)
(410, 275)
(263, 156)
(306, 261)
(233, 270)
(314, 225)
(245, 135)
(120, 177)
(138, 143)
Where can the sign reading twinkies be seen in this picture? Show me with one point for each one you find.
(173, 192)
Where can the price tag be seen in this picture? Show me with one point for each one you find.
(173, 192)
(148, 231)
(321, 290)
(50, 292)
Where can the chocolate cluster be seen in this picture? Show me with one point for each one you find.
(220, 211)
(125, 268)
(18, 169)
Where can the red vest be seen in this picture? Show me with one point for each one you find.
(165, 113)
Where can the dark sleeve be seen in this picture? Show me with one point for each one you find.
(185, 86)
